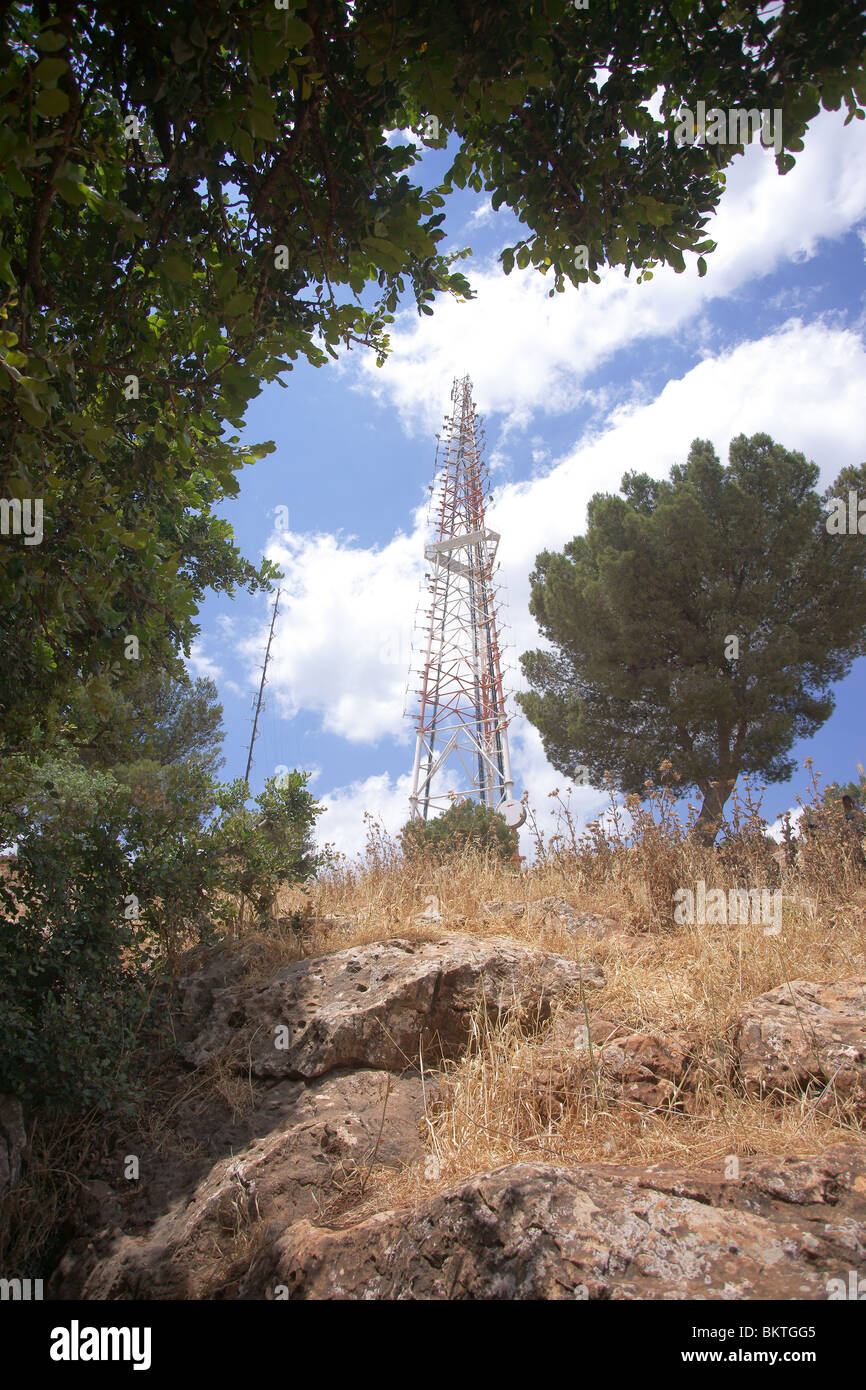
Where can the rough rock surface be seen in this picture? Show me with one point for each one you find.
(651, 1068)
(258, 1196)
(532, 1230)
(13, 1142)
(569, 1030)
(329, 1132)
(803, 1035)
(378, 1005)
(556, 912)
(211, 971)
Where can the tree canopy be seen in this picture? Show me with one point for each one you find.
(194, 195)
(153, 716)
(701, 619)
(126, 851)
(466, 825)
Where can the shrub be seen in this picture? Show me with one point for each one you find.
(465, 825)
(73, 986)
(111, 880)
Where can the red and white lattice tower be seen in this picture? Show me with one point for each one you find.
(462, 738)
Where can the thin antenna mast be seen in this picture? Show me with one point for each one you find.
(261, 689)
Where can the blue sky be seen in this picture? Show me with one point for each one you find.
(573, 392)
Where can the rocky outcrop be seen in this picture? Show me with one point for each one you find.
(210, 970)
(543, 1231)
(651, 1069)
(330, 1136)
(384, 1005)
(358, 1014)
(803, 1036)
(326, 1054)
(13, 1142)
(557, 913)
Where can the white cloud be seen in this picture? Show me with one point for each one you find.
(203, 665)
(776, 831)
(343, 646)
(343, 643)
(342, 822)
(527, 352)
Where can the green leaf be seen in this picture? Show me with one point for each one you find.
(296, 32)
(14, 180)
(52, 102)
(267, 54)
(177, 269)
(244, 144)
(240, 303)
(49, 41)
(71, 190)
(31, 412)
(262, 124)
(49, 69)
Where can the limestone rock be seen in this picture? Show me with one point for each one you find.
(547, 1092)
(380, 1005)
(331, 1132)
(652, 1067)
(213, 969)
(502, 908)
(806, 1035)
(569, 1030)
(545, 1231)
(553, 912)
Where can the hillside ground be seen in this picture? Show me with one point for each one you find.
(602, 896)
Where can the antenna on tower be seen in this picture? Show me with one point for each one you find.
(462, 720)
(261, 690)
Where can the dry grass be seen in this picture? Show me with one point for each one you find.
(32, 1214)
(660, 976)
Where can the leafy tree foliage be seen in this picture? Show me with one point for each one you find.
(194, 196)
(855, 789)
(73, 966)
(465, 825)
(154, 716)
(641, 611)
(116, 868)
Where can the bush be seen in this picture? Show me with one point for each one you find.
(261, 850)
(465, 825)
(73, 987)
(112, 878)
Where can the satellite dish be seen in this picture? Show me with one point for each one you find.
(513, 813)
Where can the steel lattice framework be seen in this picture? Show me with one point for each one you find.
(461, 722)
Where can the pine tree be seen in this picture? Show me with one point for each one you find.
(701, 619)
